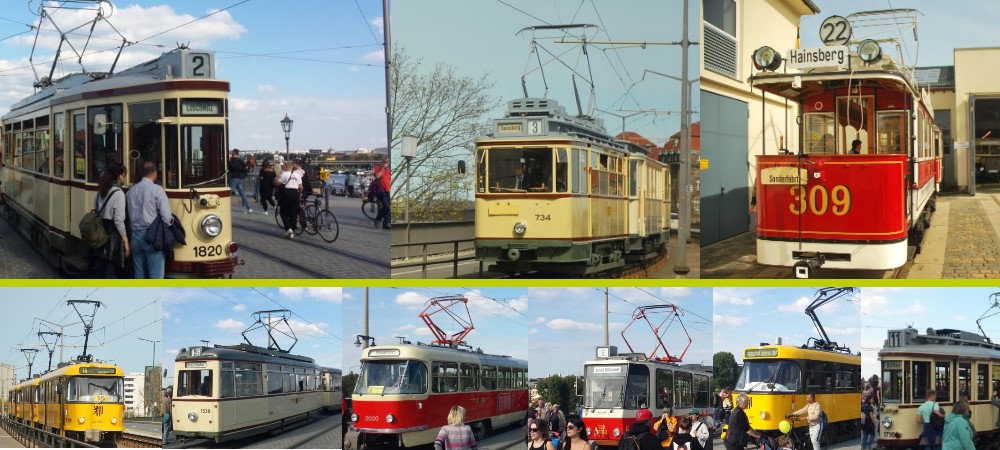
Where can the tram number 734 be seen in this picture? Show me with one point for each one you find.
(818, 200)
(208, 250)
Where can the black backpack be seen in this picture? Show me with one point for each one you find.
(92, 225)
(307, 186)
(937, 422)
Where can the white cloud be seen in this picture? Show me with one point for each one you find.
(423, 331)
(798, 306)
(292, 293)
(375, 57)
(872, 304)
(559, 293)
(355, 69)
(720, 320)
(229, 325)
(327, 294)
(533, 331)
(730, 297)
(540, 320)
(674, 292)
(378, 23)
(173, 351)
(411, 299)
(501, 307)
(239, 307)
(308, 329)
(166, 314)
(569, 324)
(959, 318)
(265, 88)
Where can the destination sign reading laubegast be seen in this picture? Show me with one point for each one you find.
(808, 58)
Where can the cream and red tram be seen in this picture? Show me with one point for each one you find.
(955, 364)
(171, 111)
(824, 206)
(404, 393)
(230, 392)
(586, 202)
(619, 386)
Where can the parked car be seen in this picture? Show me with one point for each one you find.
(336, 184)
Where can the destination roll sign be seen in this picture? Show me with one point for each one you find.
(809, 58)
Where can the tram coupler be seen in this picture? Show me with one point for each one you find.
(805, 267)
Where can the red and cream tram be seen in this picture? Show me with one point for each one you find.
(171, 111)
(831, 205)
(404, 393)
(619, 386)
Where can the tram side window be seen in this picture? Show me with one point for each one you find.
(562, 177)
(105, 142)
(982, 378)
(702, 387)
(892, 381)
(194, 382)
(469, 379)
(480, 170)
(819, 377)
(42, 150)
(664, 388)
(892, 133)
(444, 377)
(921, 380)
(637, 387)
(203, 154)
(942, 380)
(683, 390)
(58, 150)
(248, 380)
(288, 379)
(79, 146)
(964, 379)
(532, 165)
(845, 378)
(489, 378)
(144, 138)
(819, 133)
(274, 380)
(27, 145)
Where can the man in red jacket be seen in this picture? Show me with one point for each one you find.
(381, 184)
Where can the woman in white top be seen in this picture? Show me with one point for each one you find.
(289, 199)
(110, 260)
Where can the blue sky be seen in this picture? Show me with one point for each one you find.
(220, 316)
(567, 325)
(126, 316)
(497, 314)
(895, 308)
(936, 28)
(479, 37)
(745, 317)
(325, 68)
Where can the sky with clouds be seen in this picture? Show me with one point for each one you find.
(221, 315)
(318, 61)
(567, 325)
(936, 26)
(887, 309)
(125, 316)
(481, 38)
(500, 317)
(745, 317)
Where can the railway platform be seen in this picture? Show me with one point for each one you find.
(963, 242)
(8, 442)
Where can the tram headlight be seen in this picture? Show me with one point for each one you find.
(869, 51)
(617, 432)
(81, 420)
(114, 420)
(887, 422)
(763, 415)
(520, 228)
(389, 418)
(354, 417)
(192, 416)
(766, 58)
(211, 225)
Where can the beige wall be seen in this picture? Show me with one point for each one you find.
(975, 72)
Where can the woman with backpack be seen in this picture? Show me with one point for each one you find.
(109, 259)
(868, 421)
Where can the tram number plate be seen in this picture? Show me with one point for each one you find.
(203, 251)
(818, 200)
(888, 434)
(542, 217)
(206, 411)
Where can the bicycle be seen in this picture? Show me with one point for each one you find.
(312, 219)
(800, 435)
(370, 206)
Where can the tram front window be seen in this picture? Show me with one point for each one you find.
(392, 377)
(605, 386)
(776, 376)
(203, 154)
(94, 390)
(522, 170)
(194, 382)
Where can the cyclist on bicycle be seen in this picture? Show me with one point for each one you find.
(812, 410)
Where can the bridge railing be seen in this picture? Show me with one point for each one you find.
(30, 436)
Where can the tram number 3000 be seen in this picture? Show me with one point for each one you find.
(203, 251)
(818, 200)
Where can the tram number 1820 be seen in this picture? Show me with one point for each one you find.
(203, 251)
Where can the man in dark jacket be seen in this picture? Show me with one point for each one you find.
(639, 436)
(238, 171)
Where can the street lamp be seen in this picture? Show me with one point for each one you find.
(409, 150)
(286, 126)
(154, 349)
(368, 341)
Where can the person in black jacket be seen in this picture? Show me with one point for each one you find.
(739, 425)
(238, 171)
(639, 435)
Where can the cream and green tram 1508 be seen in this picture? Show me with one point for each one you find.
(170, 111)
(333, 389)
(231, 392)
(955, 364)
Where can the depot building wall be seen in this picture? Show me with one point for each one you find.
(975, 73)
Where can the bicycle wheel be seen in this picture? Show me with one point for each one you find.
(326, 224)
(277, 217)
(370, 208)
(309, 218)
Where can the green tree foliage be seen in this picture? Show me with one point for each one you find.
(725, 370)
(562, 390)
(349, 381)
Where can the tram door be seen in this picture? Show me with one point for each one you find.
(725, 192)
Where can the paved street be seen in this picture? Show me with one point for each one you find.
(20, 260)
(963, 242)
(326, 430)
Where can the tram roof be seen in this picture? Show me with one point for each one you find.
(820, 82)
(624, 358)
(85, 369)
(440, 353)
(944, 341)
(242, 352)
(165, 67)
(792, 352)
